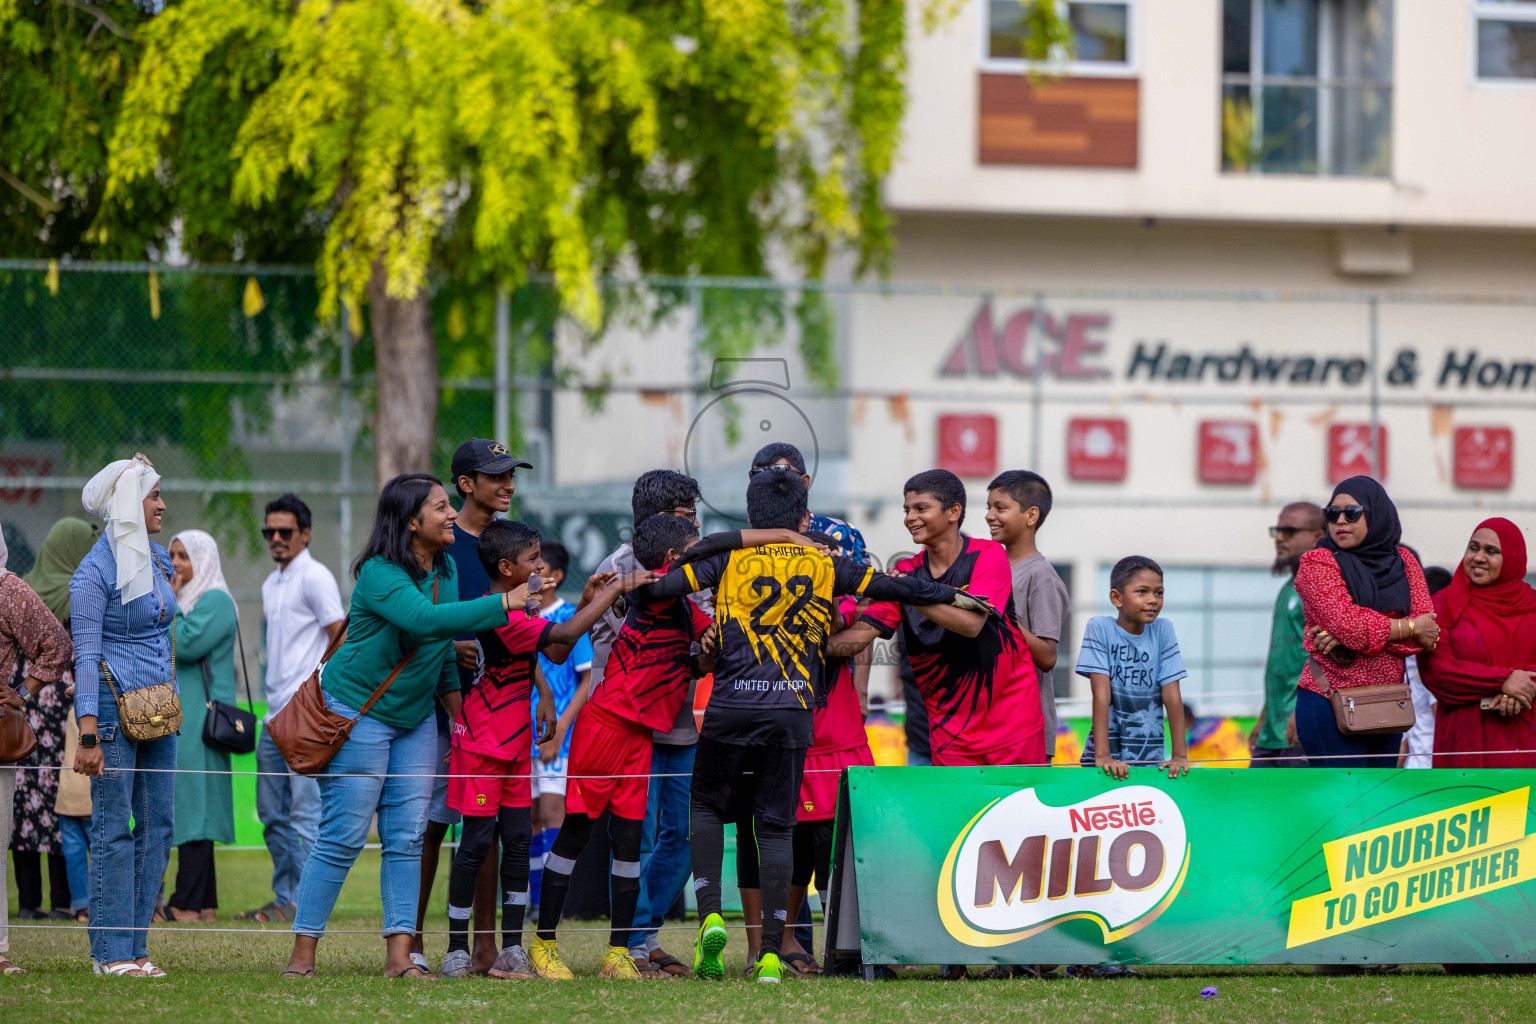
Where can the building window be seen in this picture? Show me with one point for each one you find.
(1307, 87)
(1103, 41)
(1506, 40)
(1223, 617)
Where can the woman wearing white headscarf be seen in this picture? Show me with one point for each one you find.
(27, 627)
(122, 606)
(205, 671)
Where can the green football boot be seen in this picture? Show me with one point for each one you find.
(708, 947)
(769, 970)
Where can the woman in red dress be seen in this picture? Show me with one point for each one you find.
(1367, 609)
(1487, 619)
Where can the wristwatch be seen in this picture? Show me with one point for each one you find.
(87, 740)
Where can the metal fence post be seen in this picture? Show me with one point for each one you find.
(502, 417)
(1037, 327)
(347, 439)
(1375, 389)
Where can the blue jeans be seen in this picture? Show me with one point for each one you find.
(1319, 733)
(289, 808)
(915, 760)
(351, 790)
(664, 860)
(131, 820)
(74, 835)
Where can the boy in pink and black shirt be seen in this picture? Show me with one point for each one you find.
(490, 756)
(979, 685)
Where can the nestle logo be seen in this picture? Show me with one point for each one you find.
(1108, 816)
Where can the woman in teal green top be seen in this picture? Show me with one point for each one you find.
(405, 607)
(205, 626)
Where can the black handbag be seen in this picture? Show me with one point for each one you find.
(228, 727)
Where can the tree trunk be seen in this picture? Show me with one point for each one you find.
(405, 419)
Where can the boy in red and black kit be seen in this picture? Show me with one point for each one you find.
(489, 760)
(648, 678)
(977, 680)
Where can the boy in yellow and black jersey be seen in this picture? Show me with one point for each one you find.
(774, 610)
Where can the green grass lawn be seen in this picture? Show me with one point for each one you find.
(233, 976)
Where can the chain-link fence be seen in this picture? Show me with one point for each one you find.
(1172, 424)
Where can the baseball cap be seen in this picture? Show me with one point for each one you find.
(482, 456)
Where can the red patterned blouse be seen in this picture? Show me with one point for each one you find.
(1325, 602)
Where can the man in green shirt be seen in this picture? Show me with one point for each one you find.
(1273, 740)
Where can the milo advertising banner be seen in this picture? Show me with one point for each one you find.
(1064, 865)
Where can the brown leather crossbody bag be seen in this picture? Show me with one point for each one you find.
(1366, 710)
(308, 733)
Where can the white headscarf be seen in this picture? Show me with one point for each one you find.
(116, 496)
(207, 570)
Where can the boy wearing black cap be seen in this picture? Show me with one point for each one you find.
(482, 472)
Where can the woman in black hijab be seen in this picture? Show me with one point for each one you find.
(1367, 609)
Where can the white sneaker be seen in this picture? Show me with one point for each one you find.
(456, 964)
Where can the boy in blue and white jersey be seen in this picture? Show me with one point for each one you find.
(570, 683)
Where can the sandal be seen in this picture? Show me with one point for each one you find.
(793, 960)
(127, 969)
(670, 965)
(267, 914)
(83, 917)
(293, 975)
(150, 970)
(6, 967)
(415, 972)
(183, 916)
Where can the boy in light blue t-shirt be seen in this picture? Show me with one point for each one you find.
(1132, 661)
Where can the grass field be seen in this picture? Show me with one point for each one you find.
(219, 976)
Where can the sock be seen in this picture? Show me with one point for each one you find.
(538, 849)
(558, 866)
(474, 843)
(706, 849)
(516, 835)
(624, 886)
(776, 860)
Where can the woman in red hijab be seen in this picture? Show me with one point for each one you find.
(1487, 655)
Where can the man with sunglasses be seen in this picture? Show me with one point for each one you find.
(1273, 741)
(303, 611)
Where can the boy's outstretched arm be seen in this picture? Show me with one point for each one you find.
(565, 634)
(1173, 704)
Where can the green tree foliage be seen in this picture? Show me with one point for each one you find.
(573, 138)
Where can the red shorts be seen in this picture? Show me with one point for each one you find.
(1029, 750)
(614, 755)
(823, 770)
(480, 784)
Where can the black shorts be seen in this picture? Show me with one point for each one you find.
(742, 781)
(813, 856)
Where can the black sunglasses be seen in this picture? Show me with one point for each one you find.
(1276, 532)
(1351, 513)
(285, 532)
(780, 467)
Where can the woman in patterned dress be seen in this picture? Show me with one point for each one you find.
(34, 825)
(27, 630)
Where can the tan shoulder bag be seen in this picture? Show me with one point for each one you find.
(155, 711)
(1366, 710)
(308, 733)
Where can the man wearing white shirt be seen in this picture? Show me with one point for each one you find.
(303, 613)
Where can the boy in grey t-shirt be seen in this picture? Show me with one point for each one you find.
(1133, 664)
(1017, 503)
